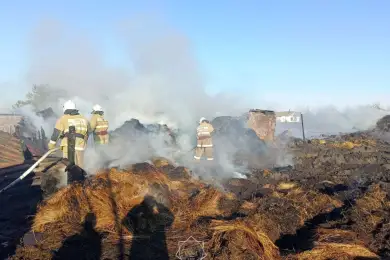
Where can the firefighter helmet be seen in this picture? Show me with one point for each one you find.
(69, 105)
(97, 108)
(202, 119)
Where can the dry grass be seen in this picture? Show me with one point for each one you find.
(310, 203)
(238, 240)
(335, 251)
(337, 236)
(110, 195)
(286, 185)
(374, 200)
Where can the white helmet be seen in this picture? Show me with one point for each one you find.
(97, 108)
(202, 119)
(69, 105)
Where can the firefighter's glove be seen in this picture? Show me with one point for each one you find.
(51, 146)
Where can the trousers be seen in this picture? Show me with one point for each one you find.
(204, 151)
(79, 160)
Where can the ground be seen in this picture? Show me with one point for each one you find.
(332, 204)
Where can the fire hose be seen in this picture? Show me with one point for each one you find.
(29, 170)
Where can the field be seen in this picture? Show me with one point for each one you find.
(333, 204)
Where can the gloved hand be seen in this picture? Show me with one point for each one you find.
(51, 146)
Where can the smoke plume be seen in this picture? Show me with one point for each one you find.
(160, 82)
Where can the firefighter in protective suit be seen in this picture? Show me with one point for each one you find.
(204, 145)
(71, 117)
(99, 126)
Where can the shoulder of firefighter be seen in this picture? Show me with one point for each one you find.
(61, 131)
(204, 130)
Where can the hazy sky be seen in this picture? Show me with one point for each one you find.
(292, 52)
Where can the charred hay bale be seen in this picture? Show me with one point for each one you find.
(179, 173)
(31, 253)
(290, 210)
(69, 205)
(383, 124)
(238, 240)
(283, 212)
(143, 168)
(324, 235)
(265, 224)
(335, 251)
(207, 203)
(313, 203)
(370, 217)
(160, 162)
(245, 189)
(110, 196)
(113, 197)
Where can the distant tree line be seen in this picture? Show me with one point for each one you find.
(39, 97)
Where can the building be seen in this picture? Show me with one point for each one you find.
(263, 122)
(9, 122)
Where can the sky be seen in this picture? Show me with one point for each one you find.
(294, 53)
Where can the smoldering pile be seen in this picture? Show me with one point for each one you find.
(143, 200)
(334, 203)
(320, 209)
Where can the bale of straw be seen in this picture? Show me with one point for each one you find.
(324, 235)
(238, 240)
(335, 251)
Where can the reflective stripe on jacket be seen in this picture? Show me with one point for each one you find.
(99, 127)
(81, 125)
(203, 133)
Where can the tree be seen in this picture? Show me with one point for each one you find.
(40, 97)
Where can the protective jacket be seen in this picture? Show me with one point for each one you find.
(99, 127)
(71, 118)
(203, 134)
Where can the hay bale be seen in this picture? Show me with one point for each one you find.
(238, 240)
(160, 162)
(179, 173)
(383, 124)
(290, 210)
(335, 251)
(265, 224)
(324, 235)
(69, 205)
(206, 202)
(370, 217)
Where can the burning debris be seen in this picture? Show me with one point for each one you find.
(334, 202)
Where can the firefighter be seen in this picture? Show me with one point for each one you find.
(204, 145)
(71, 117)
(99, 126)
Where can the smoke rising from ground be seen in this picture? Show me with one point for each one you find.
(331, 120)
(163, 84)
(160, 83)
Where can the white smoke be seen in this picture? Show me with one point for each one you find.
(160, 83)
(163, 85)
(37, 122)
(332, 121)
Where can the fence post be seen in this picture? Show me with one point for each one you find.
(72, 145)
(303, 128)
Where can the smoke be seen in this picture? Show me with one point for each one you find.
(158, 82)
(331, 120)
(37, 122)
